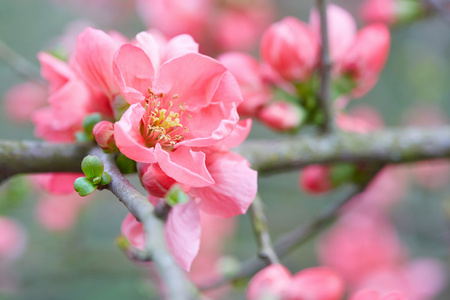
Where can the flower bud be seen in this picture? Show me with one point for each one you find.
(281, 116)
(156, 181)
(103, 133)
(291, 49)
(366, 57)
(316, 179)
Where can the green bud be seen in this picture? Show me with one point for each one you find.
(89, 123)
(92, 166)
(126, 165)
(176, 196)
(84, 186)
(106, 178)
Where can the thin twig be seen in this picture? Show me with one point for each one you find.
(139, 206)
(439, 7)
(295, 238)
(19, 64)
(261, 230)
(325, 70)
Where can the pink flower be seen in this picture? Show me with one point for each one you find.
(276, 282)
(315, 179)
(359, 244)
(373, 295)
(57, 183)
(59, 212)
(384, 11)
(281, 116)
(291, 48)
(24, 99)
(366, 57)
(103, 133)
(250, 76)
(13, 239)
(189, 102)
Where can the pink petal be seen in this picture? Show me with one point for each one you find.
(133, 73)
(128, 138)
(180, 45)
(270, 281)
(184, 165)
(133, 231)
(235, 187)
(93, 59)
(341, 30)
(193, 77)
(55, 71)
(239, 134)
(182, 231)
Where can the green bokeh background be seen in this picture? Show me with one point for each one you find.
(84, 263)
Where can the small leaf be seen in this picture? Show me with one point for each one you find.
(97, 180)
(106, 178)
(176, 196)
(84, 186)
(126, 165)
(92, 166)
(90, 121)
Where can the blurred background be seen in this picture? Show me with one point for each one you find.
(80, 260)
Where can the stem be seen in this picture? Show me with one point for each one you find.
(295, 238)
(19, 64)
(261, 230)
(178, 286)
(325, 70)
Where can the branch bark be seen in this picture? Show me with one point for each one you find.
(178, 286)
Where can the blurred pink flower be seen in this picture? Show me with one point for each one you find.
(291, 49)
(315, 179)
(373, 295)
(59, 212)
(13, 240)
(281, 116)
(22, 100)
(276, 282)
(384, 11)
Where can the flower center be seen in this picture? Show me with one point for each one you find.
(161, 123)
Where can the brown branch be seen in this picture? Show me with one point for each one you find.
(325, 70)
(439, 7)
(261, 230)
(139, 206)
(295, 238)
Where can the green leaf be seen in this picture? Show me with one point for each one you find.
(97, 180)
(84, 186)
(120, 105)
(90, 121)
(92, 166)
(106, 178)
(82, 137)
(126, 165)
(176, 196)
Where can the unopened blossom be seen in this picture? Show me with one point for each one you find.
(281, 116)
(276, 282)
(316, 179)
(384, 11)
(291, 49)
(103, 133)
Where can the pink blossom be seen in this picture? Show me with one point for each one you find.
(190, 101)
(59, 212)
(24, 99)
(366, 57)
(103, 133)
(359, 244)
(281, 116)
(276, 282)
(341, 30)
(13, 239)
(290, 47)
(249, 74)
(373, 295)
(315, 179)
(384, 11)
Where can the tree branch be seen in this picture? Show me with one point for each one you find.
(325, 69)
(139, 206)
(261, 230)
(19, 64)
(439, 7)
(295, 237)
